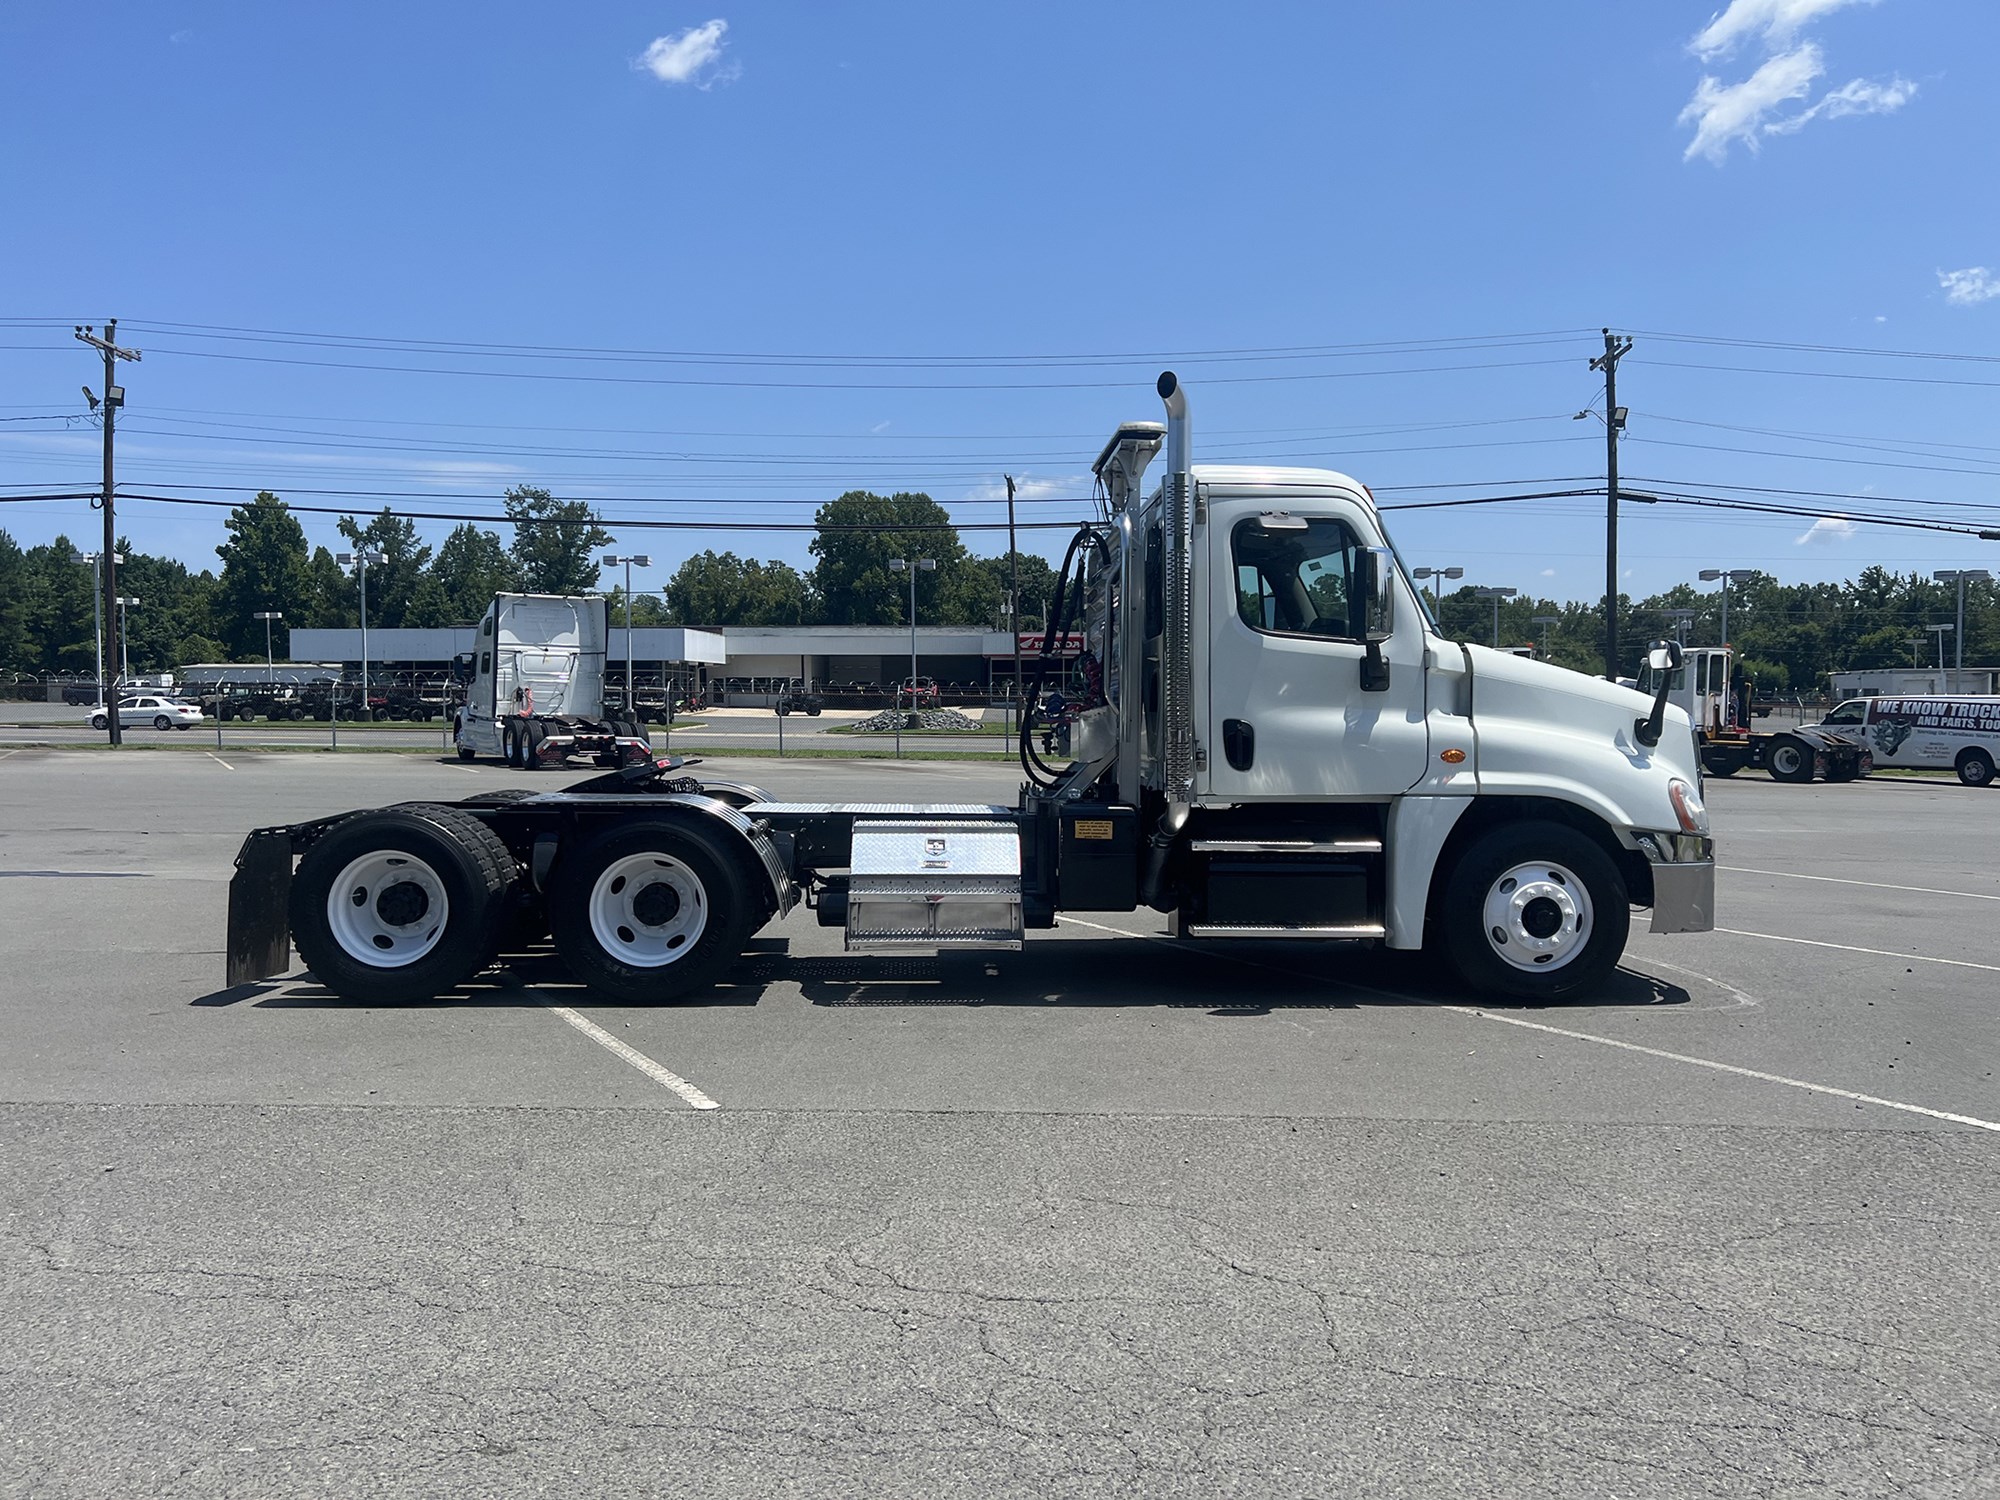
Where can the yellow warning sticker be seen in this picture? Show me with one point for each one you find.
(1092, 828)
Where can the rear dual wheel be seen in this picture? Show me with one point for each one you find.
(650, 913)
(401, 904)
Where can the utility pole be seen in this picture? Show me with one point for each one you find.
(1014, 589)
(114, 397)
(1615, 349)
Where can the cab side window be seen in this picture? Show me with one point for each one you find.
(1295, 575)
(1849, 713)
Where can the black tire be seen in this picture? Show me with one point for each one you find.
(468, 863)
(1790, 760)
(812, 713)
(531, 744)
(161, 721)
(1567, 858)
(1720, 765)
(184, 727)
(707, 878)
(510, 744)
(1975, 768)
(98, 721)
(466, 752)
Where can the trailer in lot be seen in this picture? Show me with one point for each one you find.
(1273, 742)
(536, 695)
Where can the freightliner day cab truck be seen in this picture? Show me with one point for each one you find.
(1276, 744)
(537, 692)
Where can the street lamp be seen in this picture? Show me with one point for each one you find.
(1728, 576)
(1420, 574)
(359, 559)
(1545, 621)
(1680, 617)
(1940, 631)
(1496, 595)
(1960, 576)
(125, 606)
(644, 560)
(914, 566)
(267, 616)
(95, 559)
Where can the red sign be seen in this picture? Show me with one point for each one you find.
(1069, 644)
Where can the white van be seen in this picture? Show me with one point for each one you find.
(1958, 734)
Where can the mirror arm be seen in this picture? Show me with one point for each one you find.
(1649, 729)
(1374, 670)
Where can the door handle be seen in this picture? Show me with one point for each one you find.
(1239, 743)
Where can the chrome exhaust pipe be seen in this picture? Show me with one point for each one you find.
(1169, 387)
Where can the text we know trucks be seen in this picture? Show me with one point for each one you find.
(1275, 744)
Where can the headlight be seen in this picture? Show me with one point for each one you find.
(1687, 806)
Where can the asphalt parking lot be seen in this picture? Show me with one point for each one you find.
(1112, 1216)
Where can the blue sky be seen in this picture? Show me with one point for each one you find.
(918, 246)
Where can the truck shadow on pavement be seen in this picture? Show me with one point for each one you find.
(1075, 974)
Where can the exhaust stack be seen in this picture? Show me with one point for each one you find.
(1169, 387)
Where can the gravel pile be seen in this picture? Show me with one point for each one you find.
(946, 720)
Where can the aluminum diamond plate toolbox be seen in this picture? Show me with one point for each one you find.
(940, 883)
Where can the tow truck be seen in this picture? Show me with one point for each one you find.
(1275, 742)
(1705, 687)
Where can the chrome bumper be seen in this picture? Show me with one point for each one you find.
(1683, 881)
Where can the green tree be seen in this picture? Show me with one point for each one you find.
(720, 588)
(392, 583)
(858, 535)
(17, 653)
(263, 567)
(471, 567)
(62, 619)
(555, 541)
(327, 597)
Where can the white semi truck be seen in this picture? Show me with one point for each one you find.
(536, 697)
(1275, 743)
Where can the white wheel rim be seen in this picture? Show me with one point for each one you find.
(1787, 759)
(1537, 917)
(648, 910)
(387, 909)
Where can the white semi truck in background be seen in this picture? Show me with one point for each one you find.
(1274, 742)
(536, 697)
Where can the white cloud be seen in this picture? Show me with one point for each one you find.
(1724, 112)
(1968, 288)
(1773, 22)
(1860, 97)
(1826, 529)
(692, 56)
(1548, 572)
(879, 428)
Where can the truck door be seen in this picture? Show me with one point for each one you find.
(1286, 716)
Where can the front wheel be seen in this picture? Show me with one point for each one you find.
(161, 721)
(1791, 761)
(650, 913)
(1975, 768)
(1534, 910)
(401, 904)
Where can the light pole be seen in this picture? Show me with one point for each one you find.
(359, 559)
(95, 559)
(914, 566)
(1940, 631)
(1728, 576)
(267, 616)
(1959, 576)
(1545, 621)
(1496, 595)
(644, 560)
(1680, 617)
(1434, 574)
(126, 604)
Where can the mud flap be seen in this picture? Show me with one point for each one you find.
(260, 938)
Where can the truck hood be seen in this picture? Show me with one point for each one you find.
(1536, 722)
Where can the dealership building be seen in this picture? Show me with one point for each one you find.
(742, 663)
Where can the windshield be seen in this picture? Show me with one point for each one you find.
(1423, 599)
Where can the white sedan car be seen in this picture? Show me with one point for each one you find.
(161, 713)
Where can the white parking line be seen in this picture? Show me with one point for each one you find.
(1915, 958)
(1921, 890)
(1606, 1041)
(218, 760)
(637, 1059)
